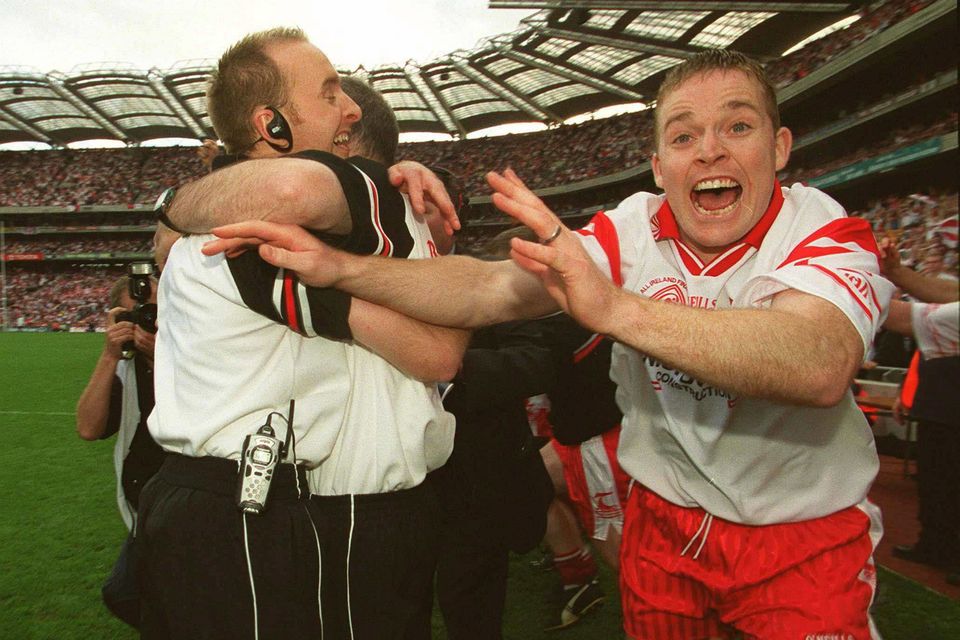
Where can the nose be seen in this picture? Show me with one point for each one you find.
(711, 148)
(351, 110)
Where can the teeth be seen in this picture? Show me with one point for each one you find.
(715, 212)
(716, 183)
(343, 138)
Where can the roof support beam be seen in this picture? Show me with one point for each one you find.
(485, 79)
(425, 78)
(11, 118)
(675, 5)
(640, 45)
(89, 111)
(563, 70)
(440, 112)
(156, 81)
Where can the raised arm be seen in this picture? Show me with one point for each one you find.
(306, 191)
(454, 291)
(801, 350)
(93, 406)
(294, 190)
(916, 284)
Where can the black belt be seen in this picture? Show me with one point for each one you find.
(219, 475)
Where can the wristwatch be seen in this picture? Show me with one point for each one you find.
(162, 206)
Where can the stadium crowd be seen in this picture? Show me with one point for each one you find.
(75, 178)
(917, 220)
(874, 18)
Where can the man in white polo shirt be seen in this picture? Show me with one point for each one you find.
(745, 311)
(239, 340)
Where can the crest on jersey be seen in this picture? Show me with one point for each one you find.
(670, 293)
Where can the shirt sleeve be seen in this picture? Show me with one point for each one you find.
(279, 295)
(116, 408)
(377, 209)
(839, 263)
(936, 328)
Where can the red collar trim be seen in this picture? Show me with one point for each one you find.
(665, 223)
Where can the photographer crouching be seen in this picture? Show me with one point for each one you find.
(117, 400)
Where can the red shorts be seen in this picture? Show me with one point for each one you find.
(810, 579)
(596, 484)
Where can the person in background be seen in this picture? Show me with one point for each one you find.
(116, 401)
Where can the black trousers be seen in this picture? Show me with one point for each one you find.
(938, 469)
(194, 550)
(471, 585)
(378, 557)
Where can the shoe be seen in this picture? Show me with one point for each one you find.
(577, 600)
(543, 563)
(918, 554)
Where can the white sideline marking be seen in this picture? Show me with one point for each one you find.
(37, 413)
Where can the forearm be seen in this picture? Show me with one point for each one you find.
(899, 318)
(454, 291)
(93, 407)
(292, 190)
(777, 353)
(924, 288)
(423, 351)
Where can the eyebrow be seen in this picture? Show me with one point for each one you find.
(730, 105)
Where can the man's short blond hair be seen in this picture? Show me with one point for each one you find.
(245, 78)
(714, 60)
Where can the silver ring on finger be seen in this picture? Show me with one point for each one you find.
(553, 236)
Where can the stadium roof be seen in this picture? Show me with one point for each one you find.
(565, 59)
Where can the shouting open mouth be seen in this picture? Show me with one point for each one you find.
(716, 196)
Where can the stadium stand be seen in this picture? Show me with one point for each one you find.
(880, 139)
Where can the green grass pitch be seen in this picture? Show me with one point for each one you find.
(60, 529)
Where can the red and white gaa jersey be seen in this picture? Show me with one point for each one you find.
(936, 328)
(743, 459)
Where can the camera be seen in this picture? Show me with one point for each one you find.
(144, 313)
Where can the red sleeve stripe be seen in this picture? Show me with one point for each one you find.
(386, 246)
(606, 234)
(587, 348)
(845, 285)
(843, 231)
(290, 301)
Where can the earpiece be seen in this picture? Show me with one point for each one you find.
(280, 129)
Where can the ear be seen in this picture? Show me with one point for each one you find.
(783, 142)
(260, 118)
(655, 165)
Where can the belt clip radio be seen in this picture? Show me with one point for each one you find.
(262, 452)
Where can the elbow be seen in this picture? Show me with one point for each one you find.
(86, 432)
(443, 368)
(831, 384)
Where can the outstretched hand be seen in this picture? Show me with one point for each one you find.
(420, 183)
(288, 246)
(567, 272)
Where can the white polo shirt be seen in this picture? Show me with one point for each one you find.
(221, 366)
(743, 459)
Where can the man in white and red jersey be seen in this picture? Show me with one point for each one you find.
(742, 310)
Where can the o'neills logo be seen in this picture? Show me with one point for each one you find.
(858, 282)
(666, 289)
